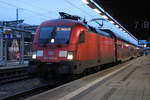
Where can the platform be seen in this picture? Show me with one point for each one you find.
(13, 64)
(127, 81)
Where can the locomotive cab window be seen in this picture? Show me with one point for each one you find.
(55, 34)
(81, 37)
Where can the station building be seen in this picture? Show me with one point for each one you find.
(15, 41)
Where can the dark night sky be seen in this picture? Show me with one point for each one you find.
(132, 14)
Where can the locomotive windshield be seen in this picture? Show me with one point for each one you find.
(59, 35)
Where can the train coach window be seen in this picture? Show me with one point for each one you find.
(81, 37)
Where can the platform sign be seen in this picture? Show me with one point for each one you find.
(8, 36)
(142, 41)
(7, 31)
(148, 48)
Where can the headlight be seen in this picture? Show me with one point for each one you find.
(34, 55)
(70, 56)
(52, 40)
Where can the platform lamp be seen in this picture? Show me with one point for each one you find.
(105, 15)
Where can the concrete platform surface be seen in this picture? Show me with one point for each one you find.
(13, 64)
(127, 81)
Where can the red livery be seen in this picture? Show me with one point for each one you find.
(68, 46)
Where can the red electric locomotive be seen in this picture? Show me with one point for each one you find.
(68, 46)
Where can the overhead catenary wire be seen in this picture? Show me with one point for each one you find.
(77, 7)
(41, 15)
(37, 13)
(72, 4)
(34, 5)
(31, 16)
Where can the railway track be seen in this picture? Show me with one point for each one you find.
(29, 87)
(26, 93)
(37, 86)
(16, 83)
(13, 74)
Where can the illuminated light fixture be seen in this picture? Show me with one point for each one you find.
(96, 10)
(85, 1)
(117, 26)
(126, 45)
(33, 33)
(52, 40)
(111, 22)
(34, 55)
(104, 16)
(123, 31)
(144, 45)
(70, 56)
(92, 4)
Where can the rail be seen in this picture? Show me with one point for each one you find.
(13, 74)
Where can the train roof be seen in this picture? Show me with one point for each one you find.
(71, 22)
(68, 22)
(124, 38)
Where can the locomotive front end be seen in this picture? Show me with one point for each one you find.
(53, 44)
(54, 47)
